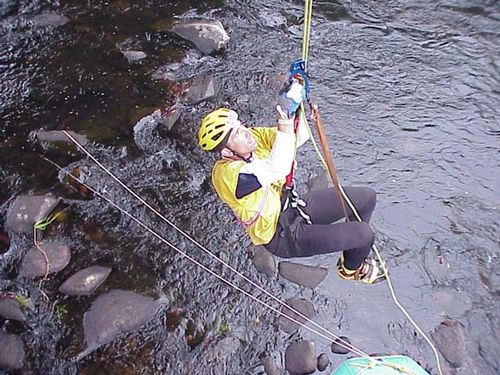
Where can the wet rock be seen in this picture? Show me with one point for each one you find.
(4, 242)
(169, 117)
(173, 318)
(199, 90)
(264, 261)
(307, 276)
(27, 210)
(49, 19)
(8, 7)
(134, 56)
(300, 357)
(339, 345)
(450, 340)
(35, 265)
(207, 36)
(162, 25)
(271, 367)
(323, 362)
(10, 309)
(146, 129)
(57, 136)
(166, 72)
(74, 188)
(85, 282)
(301, 305)
(115, 313)
(221, 349)
(11, 352)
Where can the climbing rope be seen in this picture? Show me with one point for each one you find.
(329, 336)
(337, 340)
(42, 225)
(305, 52)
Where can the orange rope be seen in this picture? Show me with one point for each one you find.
(327, 154)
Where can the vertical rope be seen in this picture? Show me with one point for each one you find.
(338, 187)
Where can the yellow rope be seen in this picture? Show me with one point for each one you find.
(305, 53)
(307, 29)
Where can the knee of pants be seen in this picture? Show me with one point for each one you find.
(366, 234)
(371, 199)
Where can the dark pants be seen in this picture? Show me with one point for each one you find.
(324, 235)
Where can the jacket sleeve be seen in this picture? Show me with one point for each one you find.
(263, 172)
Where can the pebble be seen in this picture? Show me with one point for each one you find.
(338, 346)
(58, 136)
(49, 19)
(271, 367)
(35, 265)
(301, 305)
(134, 56)
(10, 309)
(85, 282)
(264, 261)
(323, 362)
(208, 36)
(11, 351)
(27, 210)
(300, 357)
(450, 340)
(200, 89)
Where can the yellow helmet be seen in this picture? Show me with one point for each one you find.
(215, 128)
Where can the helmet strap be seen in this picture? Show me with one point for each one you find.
(239, 156)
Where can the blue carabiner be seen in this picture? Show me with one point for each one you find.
(298, 67)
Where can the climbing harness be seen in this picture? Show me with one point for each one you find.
(254, 218)
(292, 215)
(315, 114)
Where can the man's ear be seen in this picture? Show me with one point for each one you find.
(225, 152)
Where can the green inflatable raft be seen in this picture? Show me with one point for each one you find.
(385, 365)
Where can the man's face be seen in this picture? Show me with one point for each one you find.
(241, 140)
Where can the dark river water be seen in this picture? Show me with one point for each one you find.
(409, 95)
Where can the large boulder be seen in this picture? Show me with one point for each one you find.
(114, 313)
(207, 36)
(307, 276)
(300, 357)
(34, 263)
(85, 281)
(450, 340)
(11, 351)
(27, 210)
